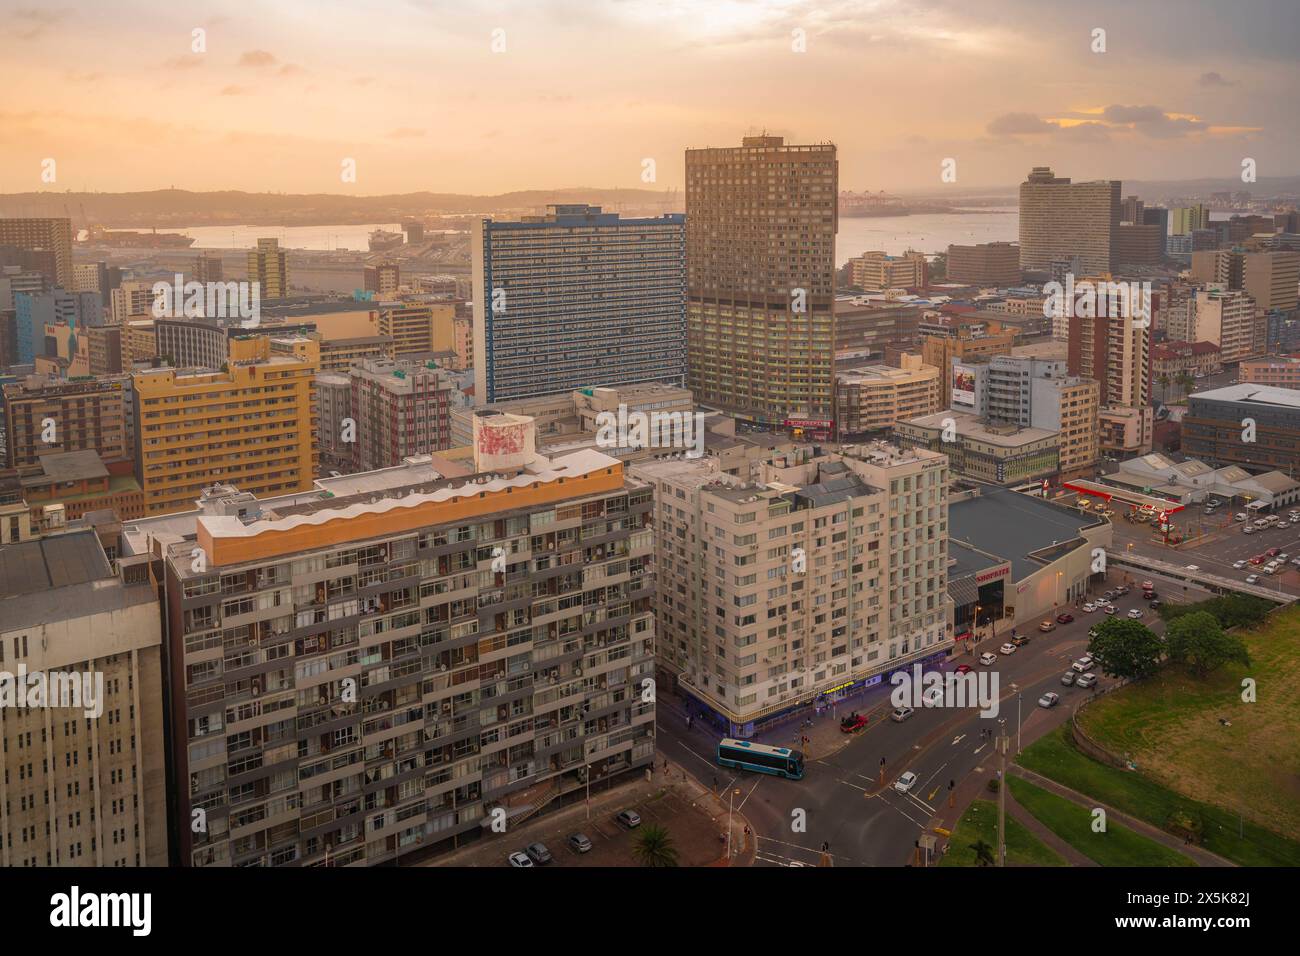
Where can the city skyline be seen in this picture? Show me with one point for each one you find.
(280, 102)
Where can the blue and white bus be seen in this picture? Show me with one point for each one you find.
(745, 755)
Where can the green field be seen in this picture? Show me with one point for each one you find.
(1117, 846)
(1171, 727)
(980, 822)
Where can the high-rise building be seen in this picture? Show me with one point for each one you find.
(253, 423)
(1213, 427)
(91, 764)
(418, 328)
(941, 350)
(104, 344)
(1218, 267)
(1040, 393)
(1272, 278)
(45, 235)
(444, 645)
(36, 310)
(829, 570)
(132, 301)
(1230, 320)
(334, 437)
(1138, 244)
(1115, 350)
(1158, 216)
(761, 220)
(872, 397)
(1131, 210)
(985, 264)
(1060, 218)
(190, 343)
(44, 416)
(401, 409)
(268, 265)
(208, 267)
(382, 279)
(1185, 220)
(575, 298)
(876, 271)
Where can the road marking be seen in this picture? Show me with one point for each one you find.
(957, 740)
(980, 747)
(751, 792)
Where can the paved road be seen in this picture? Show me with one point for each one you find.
(841, 797)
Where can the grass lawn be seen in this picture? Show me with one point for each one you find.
(1142, 797)
(980, 822)
(1170, 727)
(1118, 846)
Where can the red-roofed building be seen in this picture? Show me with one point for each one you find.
(1172, 359)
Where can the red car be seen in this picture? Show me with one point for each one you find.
(1064, 618)
(964, 668)
(1274, 552)
(851, 724)
(1147, 586)
(1257, 559)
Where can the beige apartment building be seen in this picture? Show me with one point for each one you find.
(84, 778)
(418, 327)
(825, 573)
(339, 355)
(873, 397)
(984, 264)
(1280, 372)
(268, 265)
(1273, 278)
(75, 416)
(48, 235)
(1061, 219)
(1000, 454)
(939, 351)
(1232, 321)
(761, 220)
(877, 271)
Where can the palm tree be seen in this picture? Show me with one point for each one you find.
(1164, 387)
(983, 853)
(1185, 382)
(654, 847)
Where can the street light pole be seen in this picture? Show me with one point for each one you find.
(1019, 697)
(587, 775)
(1002, 797)
(730, 805)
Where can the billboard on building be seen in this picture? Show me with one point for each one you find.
(963, 386)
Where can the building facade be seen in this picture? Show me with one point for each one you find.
(1254, 426)
(871, 398)
(400, 409)
(1060, 218)
(73, 416)
(53, 236)
(985, 264)
(268, 265)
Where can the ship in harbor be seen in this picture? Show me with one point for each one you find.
(131, 239)
(382, 239)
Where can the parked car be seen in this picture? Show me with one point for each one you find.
(1068, 678)
(988, 659)
(1049, 699)
(1109, 609)
(1089, 607)
(1239, 517)
(850, 724)
(1007, 648)
(1086, 680)
(1081, 665)
(1154, 605)
(1148, 585)
(1273, 552)
(1121, 590)
(1020, 640)
(578, 842)
(628, 818)
(1047, 626)
(906, 782)
(1148, 595)
(1238, 565)
(520, 860)
(1064, 618)
(538, 853)
(1109, 595)
(1247, 530)
(1135, 613)
(1193, 567)
(901, 714)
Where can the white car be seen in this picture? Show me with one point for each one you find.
(1109, 609)
(1252, 579)
(932, 697)
(520, 860)
(1193, 567)
(1238, 565)
(1239, 517)
(1135, 613)
(1247, 530)
(1082, 664)
(1089, 607)
(988, 659)
(1086, 680)
(906, 782)
(1007, 649)
(1048, 700)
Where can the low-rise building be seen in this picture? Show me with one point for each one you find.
(871, 398)
(1000, 454)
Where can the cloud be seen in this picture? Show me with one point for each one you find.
(1214, 79)
(1013, 124)
(257, 58)
(291, 69)
(1152, 120)
(183, 62)
(35, 21)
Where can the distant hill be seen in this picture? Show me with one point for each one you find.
(178, 208)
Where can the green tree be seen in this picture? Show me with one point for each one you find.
(983, 853)
(1199, 643)
(1185, 382)
(654, 847)
(1164, 386)
(1230, 610)
(1126, 648)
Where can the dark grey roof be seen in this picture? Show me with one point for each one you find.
(56, 562)
(832, 491)
(963, 590)
(1012, 525)
(967, 560)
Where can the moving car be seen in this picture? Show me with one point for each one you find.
(1148, 585)
(1049, 699)
(628, 818)
(1193, 567)
(578, 842)
(932, 697)
(850, 724)
(520, 860)
(1154, 605)
(1273, 552)
(1068, 678)
(1121, 590)
(1047, 626)
(1239, 517)
(1248, 530)
(1007, 648)
(1135, 613)
(1109, 609)
(1252, 578)
(1020, 640)
(538, 853)
(1086, 680)
(987, 659)
(1238, 565)
(1064, 618)
(901, 714)
(906, 782)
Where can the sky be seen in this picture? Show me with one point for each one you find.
(485, 96)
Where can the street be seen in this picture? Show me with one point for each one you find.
(841, 796)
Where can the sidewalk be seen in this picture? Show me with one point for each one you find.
(1201, 856)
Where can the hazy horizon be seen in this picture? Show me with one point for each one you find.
(281, 96)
